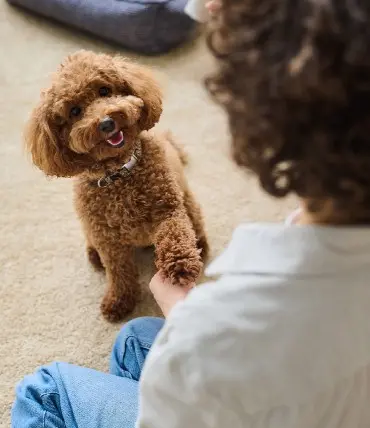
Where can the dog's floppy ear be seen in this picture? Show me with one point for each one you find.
(141, 83)
(48, 153)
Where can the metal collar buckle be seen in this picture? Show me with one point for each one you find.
(105, 181)
(124, 171)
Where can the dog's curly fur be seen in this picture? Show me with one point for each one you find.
(153, 205)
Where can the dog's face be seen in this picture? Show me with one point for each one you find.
(94, 110)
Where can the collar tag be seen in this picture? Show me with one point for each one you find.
(125, 169)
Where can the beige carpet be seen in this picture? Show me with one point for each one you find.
(49, 295)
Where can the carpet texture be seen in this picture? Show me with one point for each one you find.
(49, 295)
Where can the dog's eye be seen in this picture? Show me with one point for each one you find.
(104, 91)
(75, 111)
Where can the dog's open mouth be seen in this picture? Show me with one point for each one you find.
(116, 139)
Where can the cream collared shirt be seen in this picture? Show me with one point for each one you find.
(280, 340)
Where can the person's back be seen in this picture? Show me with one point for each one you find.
(282, 338)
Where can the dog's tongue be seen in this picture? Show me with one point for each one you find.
(116, 139)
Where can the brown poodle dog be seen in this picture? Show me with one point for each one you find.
(130, 189)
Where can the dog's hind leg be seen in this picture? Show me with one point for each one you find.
(94, 258)
(91, 251)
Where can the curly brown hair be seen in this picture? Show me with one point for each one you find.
(294, 78)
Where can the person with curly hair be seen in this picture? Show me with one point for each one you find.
(281, 339)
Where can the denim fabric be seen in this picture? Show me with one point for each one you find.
(62, 395)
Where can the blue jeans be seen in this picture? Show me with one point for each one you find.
(62, 395)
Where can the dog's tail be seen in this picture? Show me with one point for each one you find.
(178, 147)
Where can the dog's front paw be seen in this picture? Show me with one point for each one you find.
(183, 271)
(116, 308)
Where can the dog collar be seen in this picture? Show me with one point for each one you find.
(125, 169)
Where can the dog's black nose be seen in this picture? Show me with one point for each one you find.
(107, 125)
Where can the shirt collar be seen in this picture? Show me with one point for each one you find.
(294, 250)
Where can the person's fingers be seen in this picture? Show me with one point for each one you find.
(166, 294)
(158, 277)
(159, 283)
(158, 280)
(184, 289)
(213, 6)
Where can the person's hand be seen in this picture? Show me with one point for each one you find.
(213, 6)
(167, 294)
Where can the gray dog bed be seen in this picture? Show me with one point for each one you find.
(146, 26)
